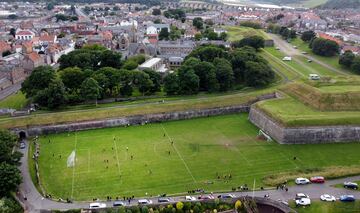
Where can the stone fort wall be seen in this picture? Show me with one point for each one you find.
(139, 119)
(303, 135)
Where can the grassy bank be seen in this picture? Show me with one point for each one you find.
(112, 112)
(328, 207)
(14, 101)
(332, 172)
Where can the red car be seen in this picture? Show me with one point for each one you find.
(317, 180)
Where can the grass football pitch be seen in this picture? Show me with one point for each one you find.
(202, 150)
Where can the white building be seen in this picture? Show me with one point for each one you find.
(24, 35)
(156, 28)
(156, 64)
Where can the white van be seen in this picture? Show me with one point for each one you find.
(314, 77)
(287, 58)
(97, 205)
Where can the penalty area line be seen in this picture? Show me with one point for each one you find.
(117, 158)
(178, 153)
(73, 174)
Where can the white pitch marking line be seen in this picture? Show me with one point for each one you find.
(88, 160)
(117, 158)
(186, 166)
(73, 175)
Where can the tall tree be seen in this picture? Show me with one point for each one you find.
(307, 36)
(164, 34)
(72, 77)
(256, 42)
(171, 84)
(207, 76)
(258, 74)
(188, 81)
(39, 79)
(90, 90)
(355, 66)
(198, 23)
(10, 178)
(347, 58)
(324, 47)
(224, 74)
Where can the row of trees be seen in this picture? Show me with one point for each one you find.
(349, 60)
(10, 176)
(89, 74)
(212, 68)
(285, 32)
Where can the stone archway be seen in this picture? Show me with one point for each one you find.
(22, 135)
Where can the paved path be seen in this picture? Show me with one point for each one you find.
(289, 50)
(35, 202)
(10, 90)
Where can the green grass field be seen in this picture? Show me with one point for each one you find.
(14, 101)
(329, 207)
(236, 33)
(202, 149)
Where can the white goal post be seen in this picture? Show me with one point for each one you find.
(267, 137)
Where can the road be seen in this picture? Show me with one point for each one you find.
(35, 201)
(289, 50)
(10, 90)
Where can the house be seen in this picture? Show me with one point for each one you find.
(353, 49)
(218, 31)
(174, 48)
(175, 62)
(31, 61)
(24, 35)
(156, 28)
(326, 36)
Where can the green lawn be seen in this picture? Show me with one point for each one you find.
(236, 33)
(329, 207)
(332, 61)
(291, 112)
(14, 101)
(203, 148)
(301, 65)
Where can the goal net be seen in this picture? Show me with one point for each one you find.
(71, 159)
(263, 136)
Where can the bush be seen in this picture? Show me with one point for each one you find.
(324, 47)
(251, 24)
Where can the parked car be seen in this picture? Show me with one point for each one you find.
(303, 202)
(317, 179)
(295, 47)
(309, 61)
(164, 199)
(351, 185)
(347, 198)
(287, 58)
(97, 205)
(277, 48)
(144, 201)
(326, 197)
(206, 197)
(22, 145)
(304, 53)
(302, 181)
(190, 198)
(226, 196)
(118, 203)
(301, 195)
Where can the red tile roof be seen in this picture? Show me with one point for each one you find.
(326, 36)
